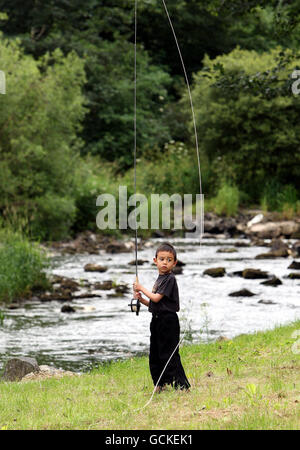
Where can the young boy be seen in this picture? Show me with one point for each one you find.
(163, 303)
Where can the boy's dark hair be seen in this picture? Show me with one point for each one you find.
(166, 247)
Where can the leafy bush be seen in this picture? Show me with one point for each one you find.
(226, 201)
(22, 265)
(277, 197)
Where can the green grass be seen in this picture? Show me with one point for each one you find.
(22, 266)
(255, 384)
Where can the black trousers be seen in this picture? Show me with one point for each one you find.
(165, 332)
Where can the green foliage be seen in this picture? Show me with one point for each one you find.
(76, 96)
(250, 134)
(277, 197)
(175, 170)
(109, 124)
(92, 178)
(2, 317)
(39, 118)
(22, 265)
(226, 201)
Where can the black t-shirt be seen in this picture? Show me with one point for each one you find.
(165, 284)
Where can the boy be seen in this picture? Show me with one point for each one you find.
(163, 303)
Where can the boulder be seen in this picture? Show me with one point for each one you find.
(241, 293)
(267, 302)
(241, 244)
(236, 273)
(274, 281)
(86, 295)
(280, 253)
(68, 283)
(122, 289)
(94, 268)
(117, 247)
(296, 248)
(227, 250)
(140, 262)
(278, 244)
(267, 230)
(17, 368)
(67, 309)
(220, 225)
(294, 265)
(104, 286)
(215, 272)
(264, 230)
(254, 274)
(13, 306)
(294, 276)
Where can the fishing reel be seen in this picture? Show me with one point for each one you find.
(135, 306)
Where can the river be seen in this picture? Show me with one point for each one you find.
(107, 330)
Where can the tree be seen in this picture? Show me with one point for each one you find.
(247, 118)
(39, 120)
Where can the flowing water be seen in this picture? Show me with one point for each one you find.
(105, 329)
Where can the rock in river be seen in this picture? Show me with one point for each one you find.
(94, 268)
(294, 265)
(274, 281)
(294, 276)
(215, 272)
(242, 293)
(117, 247)
(267, 302)
(67, 309)
(254, 273)
(227, 250)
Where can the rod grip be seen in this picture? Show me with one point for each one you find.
(134, 292)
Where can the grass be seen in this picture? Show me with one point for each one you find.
(250, 382)
(22, 266)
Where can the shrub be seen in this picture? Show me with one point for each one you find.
(23, 266)
(226, 201)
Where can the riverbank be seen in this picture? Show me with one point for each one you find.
(24, 261)
(249, 382)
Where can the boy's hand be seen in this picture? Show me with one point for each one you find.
(137, 286)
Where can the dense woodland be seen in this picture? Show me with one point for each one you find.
(66, 120)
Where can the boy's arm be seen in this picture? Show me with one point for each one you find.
(143, 300)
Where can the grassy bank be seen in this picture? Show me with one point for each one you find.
(250, 382)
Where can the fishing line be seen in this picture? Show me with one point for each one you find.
(201, 227)
(135, 137)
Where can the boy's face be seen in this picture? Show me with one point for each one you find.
(164, 262)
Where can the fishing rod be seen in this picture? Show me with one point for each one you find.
(135, 303)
